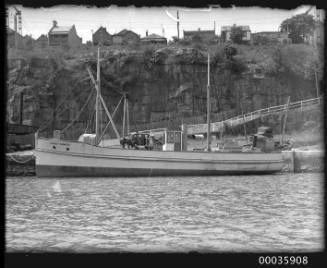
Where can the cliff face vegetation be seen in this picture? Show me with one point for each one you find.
(165, 85)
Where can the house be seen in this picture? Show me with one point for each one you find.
(317, 36)
(125, 37)
(154, 39)
(280, 37)
(102, 37)
(28, 42)
(14, 39)
(202, 35)
(226, 31)
(64, 36)
(42, 41)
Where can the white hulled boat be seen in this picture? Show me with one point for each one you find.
(94, 158)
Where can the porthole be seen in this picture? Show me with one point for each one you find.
(54, 147)
(67, 149)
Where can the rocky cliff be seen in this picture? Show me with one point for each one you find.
(165, 85)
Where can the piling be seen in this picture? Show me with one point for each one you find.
(303, 161)
(184, 137)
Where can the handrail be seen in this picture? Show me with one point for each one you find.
(255, 114)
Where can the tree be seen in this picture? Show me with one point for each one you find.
(230, 52)
(260, 40)
(298, 27)
(236, 34)
(236, 66)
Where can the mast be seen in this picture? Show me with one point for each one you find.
(124, 115)
(208, 106)
(244, 123)
(127, 115)
(97, 114)
(285, 118)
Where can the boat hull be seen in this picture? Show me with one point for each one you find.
(67, 171)
(73, 159)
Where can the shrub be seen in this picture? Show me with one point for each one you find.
(230, 51)
(184, 42)
(148, 53)
(260, 40)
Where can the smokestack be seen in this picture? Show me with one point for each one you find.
(54, 23)
(146, 33)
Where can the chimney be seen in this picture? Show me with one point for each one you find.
(54, 23)
(146, 33)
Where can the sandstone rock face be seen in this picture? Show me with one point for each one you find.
(164, 85)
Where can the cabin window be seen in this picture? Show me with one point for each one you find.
(170, 137)
(177, 137)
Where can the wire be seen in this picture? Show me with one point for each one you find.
(79, 113)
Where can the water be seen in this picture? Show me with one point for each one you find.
(229, 213)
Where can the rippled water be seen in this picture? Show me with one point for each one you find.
(227, 213)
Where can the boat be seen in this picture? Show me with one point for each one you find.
(158, 152)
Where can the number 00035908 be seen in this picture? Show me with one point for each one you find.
(285, 260)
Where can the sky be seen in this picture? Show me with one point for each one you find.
(158, 20)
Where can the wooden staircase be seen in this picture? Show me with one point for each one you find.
(241, 119)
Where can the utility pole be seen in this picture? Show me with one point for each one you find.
(214, 26)
(177, 24)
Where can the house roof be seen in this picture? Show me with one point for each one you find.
(228, 28)
(42, 37)
(101, 29)
(153, 36)
(28, 37)
(61, 29)
(198, 31)
(123, 32)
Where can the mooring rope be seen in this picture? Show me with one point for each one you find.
(20, 161)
